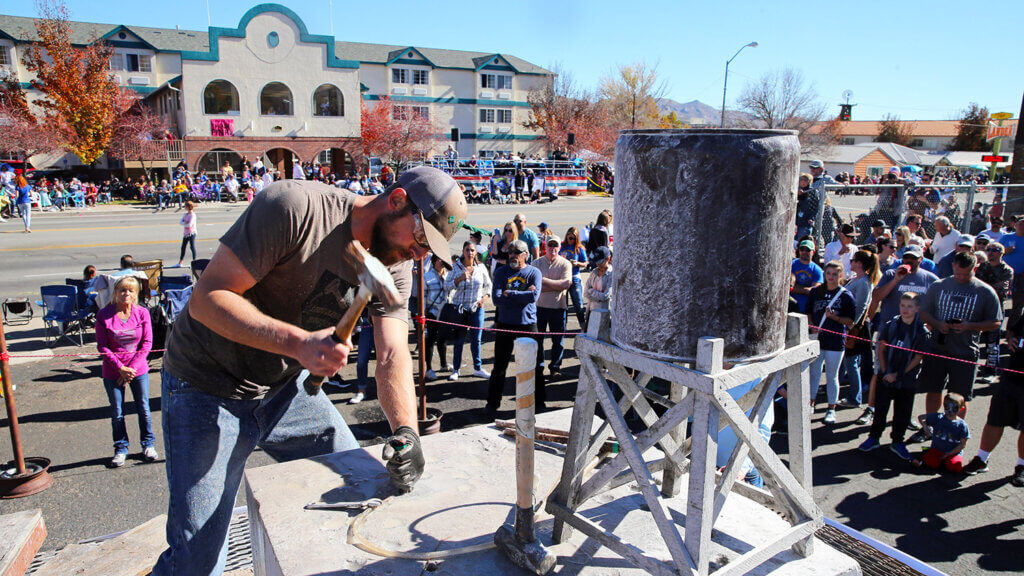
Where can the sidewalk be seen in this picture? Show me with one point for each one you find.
(27, 343)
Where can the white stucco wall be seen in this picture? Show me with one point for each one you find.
(250, 63)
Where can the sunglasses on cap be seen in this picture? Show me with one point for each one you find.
(417, 230)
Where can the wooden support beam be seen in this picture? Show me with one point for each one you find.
(762, 403)
(657, 368)
(757, 556)
(627, 551)
(700, 494)
(645, 480)
(798, 390)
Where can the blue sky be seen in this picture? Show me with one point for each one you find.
(918, 60)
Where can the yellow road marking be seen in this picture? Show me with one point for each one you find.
(66, 246)
(118, 227)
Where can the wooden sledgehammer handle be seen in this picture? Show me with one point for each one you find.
(342, 332)
(526, 358)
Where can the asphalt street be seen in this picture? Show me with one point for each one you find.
(961, 525)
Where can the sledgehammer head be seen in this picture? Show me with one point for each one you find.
(527, 555)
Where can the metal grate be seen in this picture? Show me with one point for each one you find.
(239, 545)
(872, 562)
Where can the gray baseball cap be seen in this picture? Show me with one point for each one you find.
(441, 203)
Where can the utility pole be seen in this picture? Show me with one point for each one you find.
(1015, 196)
(725, 83)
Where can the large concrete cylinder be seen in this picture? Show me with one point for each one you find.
(703, 226)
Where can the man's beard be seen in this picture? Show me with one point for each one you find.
(380, 244)
(514, 264)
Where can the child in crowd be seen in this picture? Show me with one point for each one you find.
(949, 436)
(900, 342)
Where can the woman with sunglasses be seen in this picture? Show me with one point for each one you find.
(574, 251)
(499, 254)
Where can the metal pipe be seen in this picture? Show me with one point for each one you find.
(421, 338)
(12, 410)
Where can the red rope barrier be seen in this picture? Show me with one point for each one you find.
(468, 327)
(868, 340)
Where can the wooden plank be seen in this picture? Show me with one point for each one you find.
(643, 409)
(21, 536)
(799, 418)
(131, 554)
(670, 480)
(566, 493)
(767, 461)
(656, 368)
(607, 539)
(662, 518)
(739, 451)
(753, 558)
(803, 352)
(577, 451)
(700, 497)
(679, 413)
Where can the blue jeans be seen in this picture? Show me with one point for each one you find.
(851, 367)
(550, 320)
(140, 391)
(576, 295)
(365, 349)
(26, 214)
(207, 440)
(475, 319)
(831, 359)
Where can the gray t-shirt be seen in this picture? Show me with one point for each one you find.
(290, 239)
(974, 301)
(916, 282)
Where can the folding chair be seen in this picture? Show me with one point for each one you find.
(60, 307)
(198, 266)
(174, 301)
(153, 269)
(86, 299)
(17, 311)
(174, 283)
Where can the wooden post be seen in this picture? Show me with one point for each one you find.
(567, 492)
(670, 485)
(798, 389)
(700, 499)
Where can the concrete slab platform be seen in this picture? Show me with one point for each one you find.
(465, 494)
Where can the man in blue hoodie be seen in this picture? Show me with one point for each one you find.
(516, 289)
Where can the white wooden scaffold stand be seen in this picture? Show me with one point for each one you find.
(703, 393)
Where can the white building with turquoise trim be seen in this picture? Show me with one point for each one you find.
(268, 88)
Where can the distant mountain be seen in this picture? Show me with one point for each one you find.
(696, 112)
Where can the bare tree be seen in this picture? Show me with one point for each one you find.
(782, 99)
(633, 95)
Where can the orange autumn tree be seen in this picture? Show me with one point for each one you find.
(396, 133)
(81, 99)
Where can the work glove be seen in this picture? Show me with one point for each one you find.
(404, 458)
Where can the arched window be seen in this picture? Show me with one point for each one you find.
(220, 97)
(328, 101)
(276, 100)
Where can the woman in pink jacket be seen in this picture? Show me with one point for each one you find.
(124, 336)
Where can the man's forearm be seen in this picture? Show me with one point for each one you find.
(395, 387)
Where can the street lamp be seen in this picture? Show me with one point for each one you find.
(725, 83)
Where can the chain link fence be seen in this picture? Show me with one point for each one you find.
(966, 205)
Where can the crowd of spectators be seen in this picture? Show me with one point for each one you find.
(915, 307)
